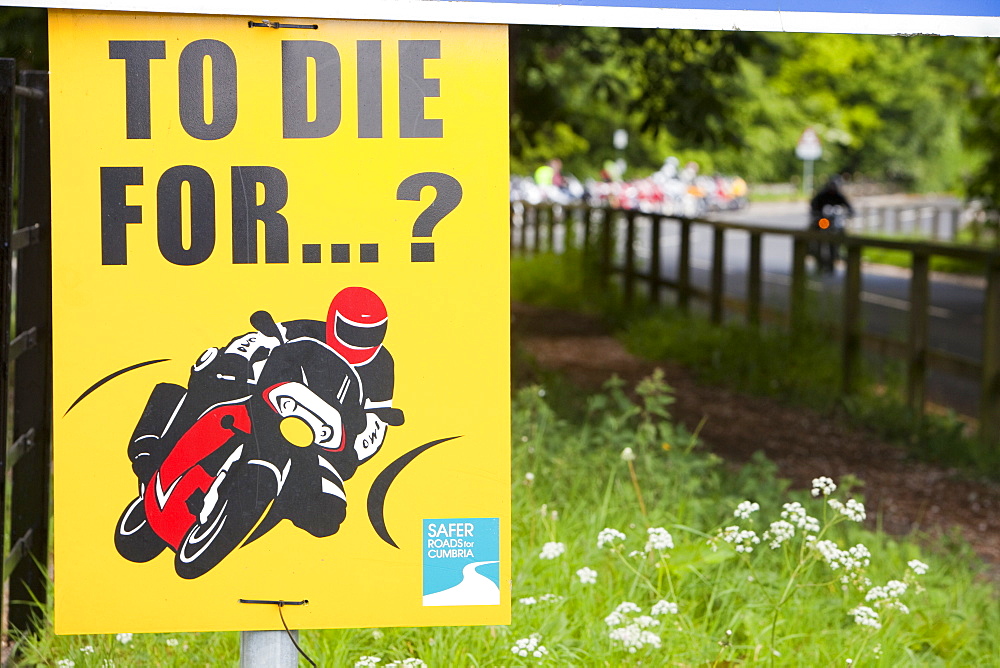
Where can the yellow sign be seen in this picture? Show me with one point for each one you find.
(281, 325)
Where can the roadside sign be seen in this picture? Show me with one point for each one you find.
(809, 146)
(281, 322)
(938, 17)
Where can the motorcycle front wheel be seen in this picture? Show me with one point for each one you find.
(244, 497)
(134, 538)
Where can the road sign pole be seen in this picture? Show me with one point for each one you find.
(807, 177)
(268, 649)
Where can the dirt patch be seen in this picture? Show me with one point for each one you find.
(908, 495)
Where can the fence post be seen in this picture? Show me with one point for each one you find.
(527, 214)
(851, 341)
(917, 344)
(989, 409)
(7, 67)
(629, 268)
(684, 267)
(655, 268)
(797, 296)
(606, 241)
(754, 280)
(571, 241)
(30, 490)
(550, 232)
(718, 273)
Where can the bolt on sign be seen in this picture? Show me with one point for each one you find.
(281, 322)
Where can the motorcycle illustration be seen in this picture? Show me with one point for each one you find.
(268, 429)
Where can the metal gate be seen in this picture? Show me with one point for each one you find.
(25, 344)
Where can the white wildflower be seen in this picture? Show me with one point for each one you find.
(411, 662)
(124, 638)
(796, 514)
(172, 642)
(877, 650)
(367, 662)
(608, 536)
(529, 478)
(659, 539)
(865, 616)
(633, 638)
(587, 575)
(888, 596)
(779, 532)
(852, 510)
(377, 634)
(636, 553)
(551, 598)
(530, 646)
(823, 485)
(87, 649)
(527, 600)
(918, 566)
(620, 614)
(664, 608)
(65, 663)
(645, 621)
(628, 455)
(853, 559)
(551, 550)
(746, 509)
(743, 540)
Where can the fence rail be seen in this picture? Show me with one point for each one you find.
(612, 239)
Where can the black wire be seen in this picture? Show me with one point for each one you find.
(281, 604)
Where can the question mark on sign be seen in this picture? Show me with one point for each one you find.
(449, 194)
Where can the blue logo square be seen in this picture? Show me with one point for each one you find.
(461, 561)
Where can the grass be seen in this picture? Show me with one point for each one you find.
(626, 466)
(801, 370)
(616, 460)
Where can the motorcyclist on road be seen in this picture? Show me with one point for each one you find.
(826, 209)
(829, 195)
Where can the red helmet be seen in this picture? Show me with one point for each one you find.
(356, 324)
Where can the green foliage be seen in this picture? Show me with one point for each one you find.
(758, 361)
(23, 36)
(887, 108)
(985, 136)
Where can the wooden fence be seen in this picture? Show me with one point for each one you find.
(930, 221)
(612, 239)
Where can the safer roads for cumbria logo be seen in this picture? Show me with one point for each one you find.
(462, 561)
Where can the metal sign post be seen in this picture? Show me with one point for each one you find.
(809, 150)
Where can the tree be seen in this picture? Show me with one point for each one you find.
(23, 36)
(985, 183)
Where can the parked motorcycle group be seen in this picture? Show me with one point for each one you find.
(672, 191)
(675, 191)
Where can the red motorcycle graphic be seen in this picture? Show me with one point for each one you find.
(268, 429)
